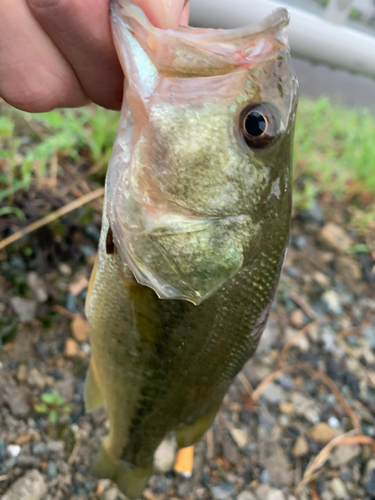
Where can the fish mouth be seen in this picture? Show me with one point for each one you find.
(195, 52)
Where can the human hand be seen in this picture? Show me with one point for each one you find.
(59, 53)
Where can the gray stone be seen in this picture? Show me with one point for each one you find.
(39, 448)
(222, 491)
(331, 302)
(342, 455)
(165, 455)
(338, 489)
(369, 333)
(313, 214)
(328, 338)
(265, 477)
(183, 489)
(268, 337)
(278, 468)
(51, 468)
(111, 494)
(275, 495)
(24, 308)
(369, 477)
(246, 495)
(66, 386)
(370, 486)
(56, 446)
(286, 381)
(306, 407)
(31, 486)
(17, 401)
(37, 286)
(240, 437)
(36, 379)
(273, 393)
(299, 241)
(28, 461)
(262, 491)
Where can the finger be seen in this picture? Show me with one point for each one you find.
(184, 21)
(34, 76)
(81, 30)
(165, 14)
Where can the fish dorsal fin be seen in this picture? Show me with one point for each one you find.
(194, 52)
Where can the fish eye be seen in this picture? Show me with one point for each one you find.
(259, 124)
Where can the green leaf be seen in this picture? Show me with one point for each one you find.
(41, 408)
(358, 248)
(48, 398)
(13, 210)
(53, 416)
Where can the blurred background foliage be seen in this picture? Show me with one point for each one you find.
(334, 154)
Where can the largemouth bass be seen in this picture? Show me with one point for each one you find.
(195, 225)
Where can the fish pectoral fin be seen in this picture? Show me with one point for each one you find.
(130, 479)
(188, 435)
(92, 395)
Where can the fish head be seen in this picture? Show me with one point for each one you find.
(201, 170)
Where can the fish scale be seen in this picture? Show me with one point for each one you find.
(195, 225)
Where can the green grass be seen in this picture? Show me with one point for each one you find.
(334, 150)
(29, 142)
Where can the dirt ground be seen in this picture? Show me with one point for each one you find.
(298, 422)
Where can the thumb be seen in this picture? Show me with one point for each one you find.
(165, 14)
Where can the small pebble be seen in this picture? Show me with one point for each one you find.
(71, 348)
(338, 489)
(222, 491)
(165, 455)
(292, 271)
(286, 407)
(334, 237)
(273, 393)
(92, 231)
(342, 455)
(369, 333)
(111, 494)
(297, 318)
(65, 269)
(265, 477)
(31, 486)
(301, 447)
(14, 450)
(370, 487)
(24, 308)
(17, 263)
(299, 241)
(322, 433)
(56, 446)
(3, 449)
(37, 286)
(239, 437)
(80, 328)
(246, 495)
(313, 214)
(36, 379)
(71, 302)
(331, 302)
(334, 422)
(328, 338)
(39, 448)
(51, 468)
(286, 381)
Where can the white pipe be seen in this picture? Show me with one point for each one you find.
(337, 11)
(311, 37)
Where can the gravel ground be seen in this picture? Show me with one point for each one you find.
(298, 422)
